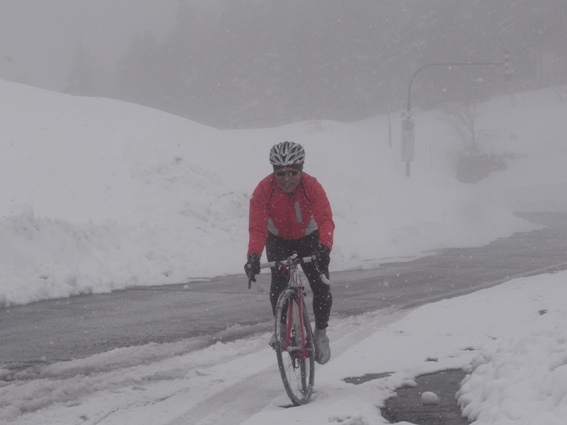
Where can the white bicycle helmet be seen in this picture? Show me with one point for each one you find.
(287, 154)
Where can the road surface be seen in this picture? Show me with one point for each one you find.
(78, 327)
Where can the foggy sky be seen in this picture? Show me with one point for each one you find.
(231, 61)
(37, 37)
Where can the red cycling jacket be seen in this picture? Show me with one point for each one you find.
(289, 216)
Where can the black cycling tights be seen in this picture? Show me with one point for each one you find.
(279, 249)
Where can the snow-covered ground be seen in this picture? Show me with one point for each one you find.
(101, 195)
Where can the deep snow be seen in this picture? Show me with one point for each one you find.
(102, 195)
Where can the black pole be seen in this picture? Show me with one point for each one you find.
(445, 64)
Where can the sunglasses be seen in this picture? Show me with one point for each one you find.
(291, 173)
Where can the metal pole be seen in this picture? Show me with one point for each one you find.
(408, 106)
(445, 64)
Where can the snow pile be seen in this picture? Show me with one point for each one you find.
(122, 195)
(520, 380)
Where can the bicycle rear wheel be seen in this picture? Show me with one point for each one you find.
(296, 362)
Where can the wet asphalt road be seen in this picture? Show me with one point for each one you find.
(84, 325)
(407, 405)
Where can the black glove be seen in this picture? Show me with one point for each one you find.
(252, 266)
(323, 259)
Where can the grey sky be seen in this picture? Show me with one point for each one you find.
(37, 37)
(225, 62)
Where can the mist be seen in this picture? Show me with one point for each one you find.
(258, 63)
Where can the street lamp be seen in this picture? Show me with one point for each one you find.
(408, 126)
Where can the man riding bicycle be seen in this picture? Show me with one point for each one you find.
(290, 212)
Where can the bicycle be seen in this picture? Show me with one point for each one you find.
(294, 344)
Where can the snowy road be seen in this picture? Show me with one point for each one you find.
(169, 384)
(167, 335)
(224, 309)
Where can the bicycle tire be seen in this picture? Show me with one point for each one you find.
(297, 368)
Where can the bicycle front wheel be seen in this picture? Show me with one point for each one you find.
(296, 361)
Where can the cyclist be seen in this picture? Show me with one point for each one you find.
(289, 211)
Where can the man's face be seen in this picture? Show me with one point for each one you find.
(287, 178)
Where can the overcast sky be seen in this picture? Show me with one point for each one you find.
(278, 61)
(42, 34)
